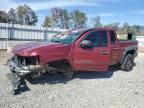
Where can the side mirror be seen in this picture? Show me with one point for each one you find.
(86, 44)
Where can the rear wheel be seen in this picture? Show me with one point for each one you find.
(128, 63)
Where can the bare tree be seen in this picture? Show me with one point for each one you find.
(97, 21)
(12, 16)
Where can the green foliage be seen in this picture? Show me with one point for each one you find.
(47, 22)
(25, 15)
(126, 28)
(64, 19)
(135, 29)
(115, 26)
(22, 15)
(3, 17)
(79, 19)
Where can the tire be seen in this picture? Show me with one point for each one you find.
(128, 63)
(68, 75)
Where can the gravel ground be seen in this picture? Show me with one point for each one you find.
(116, 89)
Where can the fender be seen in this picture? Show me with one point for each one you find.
(126, 50)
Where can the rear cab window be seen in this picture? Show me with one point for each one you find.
(112, 37)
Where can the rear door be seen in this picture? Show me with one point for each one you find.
(115, 49)
(92, 59)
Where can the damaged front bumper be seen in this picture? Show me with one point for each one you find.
(20, 70)
(17, 75)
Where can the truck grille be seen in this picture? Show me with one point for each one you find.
(25, 61)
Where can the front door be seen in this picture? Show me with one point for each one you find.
(96, 58)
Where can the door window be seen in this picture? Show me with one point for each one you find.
(98, 38)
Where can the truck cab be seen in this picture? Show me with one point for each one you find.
(93, 51)
(100, 48)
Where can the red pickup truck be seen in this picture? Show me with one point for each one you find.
(93, 49)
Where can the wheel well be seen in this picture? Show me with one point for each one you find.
(60, 64)
(124, 55)
(130, 52)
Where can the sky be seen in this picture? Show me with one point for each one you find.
(131, 11)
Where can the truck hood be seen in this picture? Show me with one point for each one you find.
(38, 48)
(31, 46)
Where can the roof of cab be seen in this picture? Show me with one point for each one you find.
(89, 29)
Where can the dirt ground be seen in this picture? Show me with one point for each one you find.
(113, 89)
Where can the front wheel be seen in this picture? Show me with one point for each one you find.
(128, 63)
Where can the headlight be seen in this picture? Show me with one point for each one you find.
(15, 59)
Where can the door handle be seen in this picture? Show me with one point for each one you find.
(104, 52)
(116, 48)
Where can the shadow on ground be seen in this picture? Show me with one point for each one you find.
(55, 79)
(59, 78)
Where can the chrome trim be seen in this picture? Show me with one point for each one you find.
(18, 69)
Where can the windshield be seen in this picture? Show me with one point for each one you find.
(65, 38)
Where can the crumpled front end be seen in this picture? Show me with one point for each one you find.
(21, 67)
(20, 70)
(34, 59)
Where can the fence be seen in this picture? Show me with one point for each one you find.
(31, 33)
(24, 32)
(140, 39)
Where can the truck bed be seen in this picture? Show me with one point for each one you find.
(125, 43)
